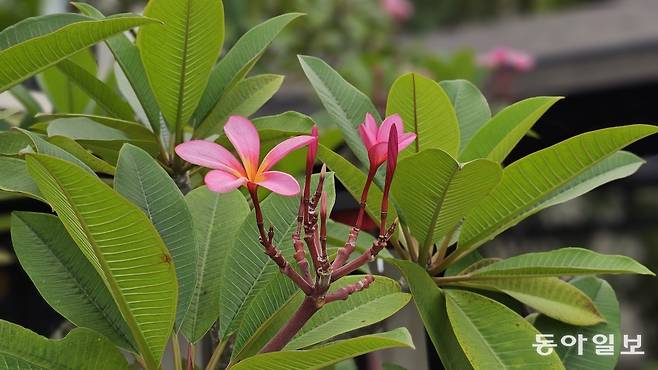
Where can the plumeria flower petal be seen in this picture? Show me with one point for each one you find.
(223, 182)
(385, 128)
(244, 137)
(229, 174)
(280, 183)
(208, 154)
(282, 149)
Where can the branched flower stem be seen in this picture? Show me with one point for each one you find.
(315, 238)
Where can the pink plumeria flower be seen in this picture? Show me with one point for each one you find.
(376, 138)
(505, 57)
(228, 173)
(400, 10)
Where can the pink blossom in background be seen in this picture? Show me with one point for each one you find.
(376, 138)
(500, 57)
(228, 173)
(400, 10)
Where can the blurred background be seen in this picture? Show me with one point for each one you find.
(601, 54)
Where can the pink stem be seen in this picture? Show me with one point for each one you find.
(304, 313)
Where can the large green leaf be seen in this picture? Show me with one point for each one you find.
(63, 94)
(239, 61)
(78, 151)
(354, 179)
(493, 336)
(565, 261)
(548, 295)
(434, 192)
(496, 139)
(604, 298)
(90, 129)
(123, 246)
(42, 146)
(12, 143)
(82, 349)
(64, 276)
(178, 55)
(617, 166)
(217, 219)
(251, 270)
(16, 179)
(380, 300)
(141, 180)
(244, 99)
(269, 311)
(470, 106)
(33, 55)
(431, 305)
(127, 57)
(30, 105)
(426, 111)
(344, 103)
(36, 26)
(540, 176)
(325, 355)
(101, 93)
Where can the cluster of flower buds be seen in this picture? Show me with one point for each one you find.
(383, 144)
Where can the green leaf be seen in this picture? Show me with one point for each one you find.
(470, 106)
(64, 276)
(565, 261)
(62, 93)
(354, 179)
(434, 192)
(82, 349)
(82, 154)
(541, 176)
(66, 95)
(328, 354)
(29, 103)
(617, 166)
(344, 103)
(101, 93)
(548, 295)
(42, 146)
(239, 60)
(141, 180)
(16, 179)
(431, 304)
(380, 300)
(493, 336)
(496, 139)
(179, 54)
(91, 129)
(217, 219)
(32, 56)
(250, 269)
(127, 57)
(12, 143)
(244, 99)
(604, 298)
(270, 310)
(426, 111)
(137, 270)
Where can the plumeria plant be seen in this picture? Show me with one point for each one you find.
(453, 192)
(161, 235)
